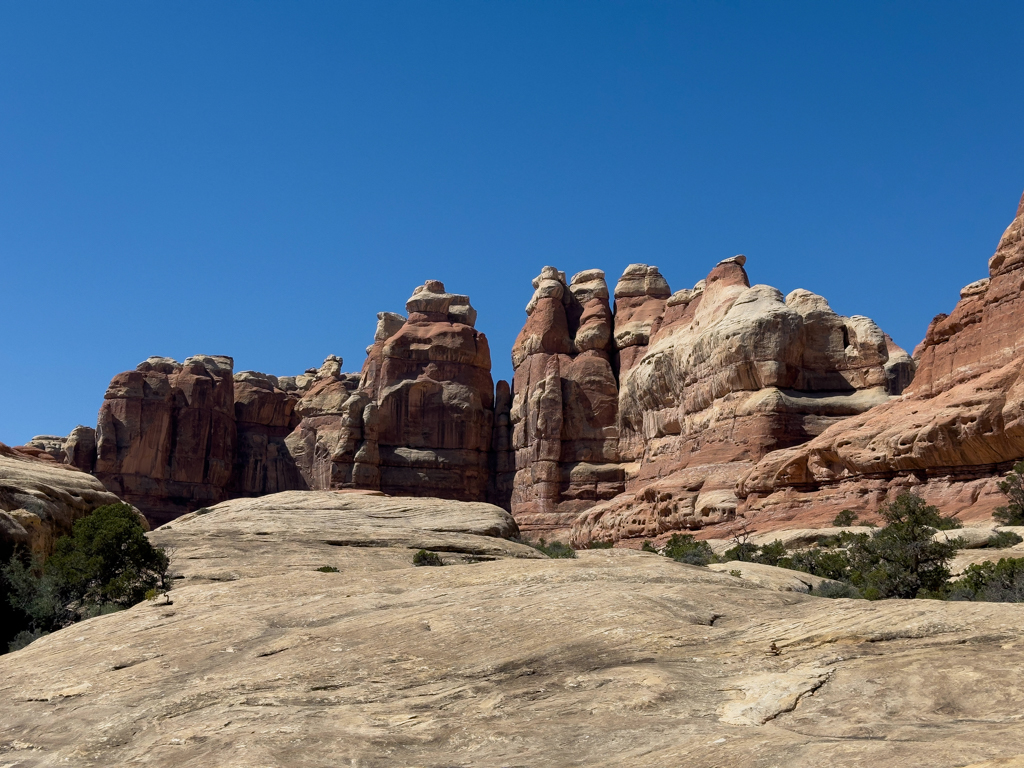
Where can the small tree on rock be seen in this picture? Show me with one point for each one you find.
(1013, 487)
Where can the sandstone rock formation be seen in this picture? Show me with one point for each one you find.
(708, 381)
(165, 438)
(430, 383)
(952, 433)
(264, 417)
(564, 406)
(40, 499)
(616, 658)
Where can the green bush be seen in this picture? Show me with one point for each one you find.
(106, 564)
(835, 589)
(683, 548)
(601, 545)
(330, 568)
(901, 559)
(827, 563)
(426, 557)
(649, 547)
(555, 549)
(1013, 487)
(770, 554)
(845, 518)
(743, 551)
(1001, 582)
(1003, 540)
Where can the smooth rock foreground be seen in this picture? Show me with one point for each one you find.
(616, 658)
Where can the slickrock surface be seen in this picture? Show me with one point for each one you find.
(41, 499)
(950, 436)
(617, 658)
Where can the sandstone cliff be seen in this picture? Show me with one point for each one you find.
(564, 405)
(638, 422)
(953, 432)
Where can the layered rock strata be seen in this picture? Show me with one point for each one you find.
(430, 385)
(635, 423)
(166, 434)
(564, 404)
(957, 428)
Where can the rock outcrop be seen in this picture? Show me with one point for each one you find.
(419, 420)
(264, 417)
(430, 385)
(564, 406)
(166, 435)
(614, 658)
(40, 499)
(638, 423)
(958, 427)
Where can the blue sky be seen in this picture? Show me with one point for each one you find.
(259, 179)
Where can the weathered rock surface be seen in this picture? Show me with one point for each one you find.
(617, 658)
(719, 376)
(949, 437)
(40, 499)
(771, 577)
(165, 438)
(564, 405)
(264, 417)
(430, 383)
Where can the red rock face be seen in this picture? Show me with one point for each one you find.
(564, 405)
(264, 417)
(435, 400)
(710, 380)
(950, 436)
(420, 418)
(166, 435)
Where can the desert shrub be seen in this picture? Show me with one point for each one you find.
(1013, 487)
(1003, 540)
(827, 563)
(203, 511)
(601, 545)
(770, 554)
(649, 547)
(835, 590)
(845, 518)
(683, 548)
(1001, 582)
(900, 559)
(743, 551)
(555, 549)
(332, 569)
(426, 557)
(106, 564)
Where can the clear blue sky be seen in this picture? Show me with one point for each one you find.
(259, 179)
